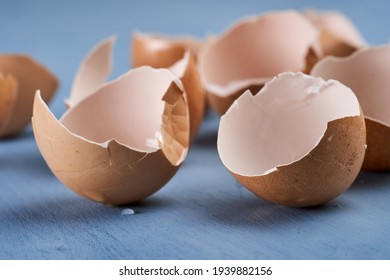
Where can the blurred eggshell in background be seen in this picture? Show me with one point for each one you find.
(20, 77)
(338, 35)
(93, 71)
(160, 51)
(299, 142)
(123, 142)
(188, 73)
(367, 73)
(252, 51)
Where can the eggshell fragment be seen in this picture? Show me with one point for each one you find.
(254, 50)
(188, 73)
(299, 142)
(123, 142)
(8, 96)
(161, 51)
(20, 77)
(93, 71)
(366, 72)
(338, 35)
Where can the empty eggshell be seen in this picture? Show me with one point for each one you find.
(123, 142)
(254, 50)
(93, 71)
(299, 142)
(367, 73)
(20, 77)
(188, 73)
(338, 35)
(161, 51)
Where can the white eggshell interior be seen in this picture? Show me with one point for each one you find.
(132, 119)
(282, 123)
(256, 49)
(367, 73)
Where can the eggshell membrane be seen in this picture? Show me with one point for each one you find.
(188, 73)
(28, 76)
(254, 50)
(299, 142)
(366, 72)
(93, 71)
(338, 35)
(161, 51)
(123, 142)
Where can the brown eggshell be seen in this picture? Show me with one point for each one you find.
(28, 76)
(338, 35)
(254, 50)
(188, 73)
(366, 72)
(299, 142)
(161, 51)
(123, 142)
(93, 71)
(8, 96)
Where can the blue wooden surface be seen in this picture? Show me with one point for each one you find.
(202, 213)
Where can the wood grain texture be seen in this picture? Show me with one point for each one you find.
(202, 213)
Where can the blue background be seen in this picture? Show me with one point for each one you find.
(202, 213)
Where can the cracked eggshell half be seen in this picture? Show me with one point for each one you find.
(123, 142)
(338, 35)
(299, 142)
(367, 73)
(188, 73)
(160, 51)
(254, 50)
(20, 77)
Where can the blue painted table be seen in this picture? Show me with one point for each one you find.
(202, 213)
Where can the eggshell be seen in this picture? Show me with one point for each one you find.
(366, 72)
(188, 73)
(161, 51)
(299, 142)
(8, 96)
(252, 51)
(338, 35)
(21, 77)
(123, 142)
(93, 71)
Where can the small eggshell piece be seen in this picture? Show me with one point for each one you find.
(93, 71)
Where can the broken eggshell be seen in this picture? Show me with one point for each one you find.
(338, 35)
(161, 51)
(123, 142)
(188, 73)
(93, 71)
(366, 72)
(299, 142)
(20, 77)
(253, 51)
(96, 67)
